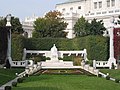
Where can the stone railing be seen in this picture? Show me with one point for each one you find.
(100, 64)
(18, 64)
(90, 69)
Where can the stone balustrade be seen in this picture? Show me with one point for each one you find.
(100, 64)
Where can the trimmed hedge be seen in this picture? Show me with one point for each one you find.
(97, 46)
(17, 47)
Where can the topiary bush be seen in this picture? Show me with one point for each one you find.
(8, 88)
(107, 77)
(20, 80)
(14, 84)
(99, 75)
(117, 80)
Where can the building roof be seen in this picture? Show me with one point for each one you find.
(70, 1)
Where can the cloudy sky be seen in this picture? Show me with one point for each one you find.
(23, 8)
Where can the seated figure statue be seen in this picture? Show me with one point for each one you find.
(54, 53)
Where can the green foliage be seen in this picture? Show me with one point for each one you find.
(37, 58)
(16, 25)
(81, 27)
(117, 80)
(20, 80)
(17, 47)
(3, 44)
(107, 77)
(8, 88)
(50, 26)
(99, 75)
(97, 46)
(97, 27)
(3, 22)
(14, 84)
(84, 28)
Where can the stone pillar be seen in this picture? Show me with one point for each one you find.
(111, 57)
(94, 64)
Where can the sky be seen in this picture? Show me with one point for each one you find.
(24, 8)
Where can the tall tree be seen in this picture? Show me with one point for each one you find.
(16, 25)
(84, 28)
(52, 25)
(97, 27)
(81, 27)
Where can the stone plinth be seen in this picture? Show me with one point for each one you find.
(57, 64)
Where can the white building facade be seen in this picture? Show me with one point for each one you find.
(27, 25)
(90, 9)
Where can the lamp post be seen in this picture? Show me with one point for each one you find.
(8, 18)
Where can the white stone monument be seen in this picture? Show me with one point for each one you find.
(54, 61)
(54, 54)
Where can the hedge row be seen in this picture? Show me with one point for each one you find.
(97, 46)
(17, 47)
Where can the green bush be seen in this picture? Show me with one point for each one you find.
(14, 84)
(117, 80)
(99, 75)
(8, 88)
(17, 47)
(107, 77)
(20, 80)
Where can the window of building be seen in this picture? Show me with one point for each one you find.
(104, 12)
(112, 3)
(100, 4)
(92, 14)
(95, 5)
(71, 8)
(108, 3)
(117, 10)
(110, 11)
(98, 13)
(79, 7)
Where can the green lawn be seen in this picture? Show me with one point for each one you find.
(113, 73)
(67, 82)
(8, 74)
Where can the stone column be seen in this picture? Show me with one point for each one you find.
(111, 57)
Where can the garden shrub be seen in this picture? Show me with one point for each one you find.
(8, 88)
(17, 47)
(20, 80)
(14, 84)
(99, 75)
(107, 77)
(117, 80)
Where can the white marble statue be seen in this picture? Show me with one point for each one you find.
(54, 53)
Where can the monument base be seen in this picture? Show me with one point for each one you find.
(61, 63)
